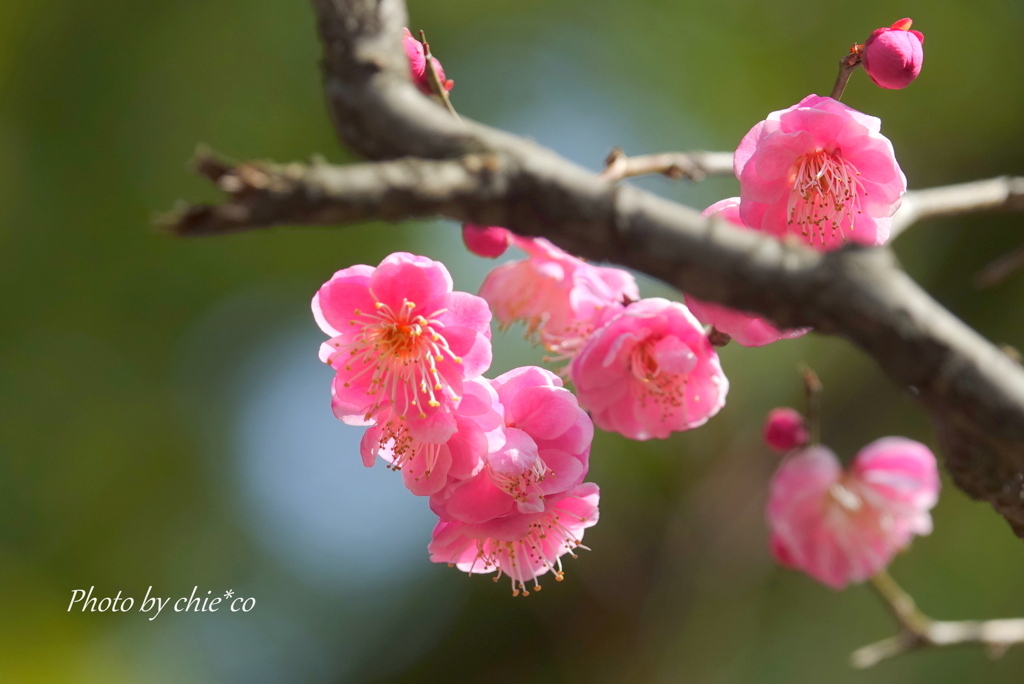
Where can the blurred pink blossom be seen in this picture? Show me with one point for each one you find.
(522, 546)
(747, 329)
(843, 527)
(820, 170)
(402, 340)
(893, 56)
(560, 298)
(649, 372)
(418, 64)
(785, 429)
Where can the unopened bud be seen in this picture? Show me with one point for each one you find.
(893, 56)
(486, 241)
(785, 429)
(418, 64)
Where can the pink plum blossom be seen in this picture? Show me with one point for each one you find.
(842, 527)
(649, 372)
(418, 64)
(522, 546)
(746, 329)
(893, 56)
(486, 241)
(427, 467)
(402, 340)
(785, 429)
(545, 452)
(560, 298)
(820, 170)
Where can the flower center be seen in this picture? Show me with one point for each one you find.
(399, 448)
(845, 497)
(663, 366)
(521, 486)
(402, 350)
(531, 556)
(826, 195)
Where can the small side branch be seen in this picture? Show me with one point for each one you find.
(918, 631)
(262, 194)
(997, 271)
(847, 65)
(436, 85)
(1005, 193)
(693, 166)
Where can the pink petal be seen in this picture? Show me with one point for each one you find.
(467, 447)
(779, 151)
(566, 470)
(335, 303)
(368, 445)
(543, 411)
(673, 355)
(473, 349)
(754, 188)
(478, 500)
(819, 126)
(517, 456)
(436, 428)
(467, 311)
(423, 482)
(747, 148)
(901, 470)
(747, 329)
(405, 277)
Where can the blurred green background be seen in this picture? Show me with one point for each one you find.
(164, 421)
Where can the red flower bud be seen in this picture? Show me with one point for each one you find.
(486, 241)
(785, 429)
(418, 64)
(893, 56)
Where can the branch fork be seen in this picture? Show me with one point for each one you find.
(918, 631)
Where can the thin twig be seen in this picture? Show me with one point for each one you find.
(1000, 269)
(435, 79)
(694, 166)
(1003, 193)
(917, 630)
(812, 385)
(847, 65)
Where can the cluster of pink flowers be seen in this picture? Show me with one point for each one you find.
(503, 461)
(642, 368)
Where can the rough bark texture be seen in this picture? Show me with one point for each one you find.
(462, 170)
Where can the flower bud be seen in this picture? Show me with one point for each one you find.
(893, 56)
(785, 429)
(418, 64)
(486, 241)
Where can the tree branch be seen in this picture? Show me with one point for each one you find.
(1005, 193)
(466, 171)
(1001, 268)
(265, 194)
(694, 166)
(917, 630)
